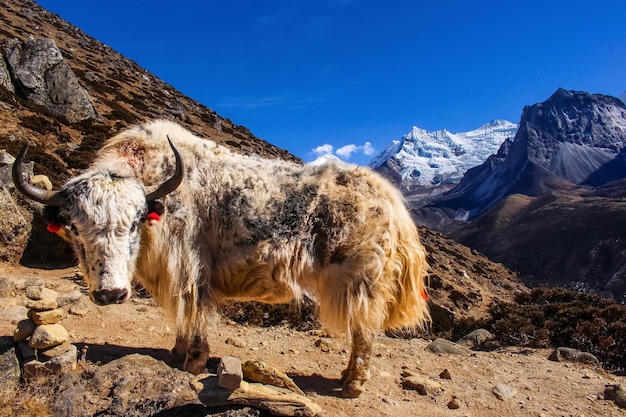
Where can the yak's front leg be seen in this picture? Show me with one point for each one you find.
(358, 370)
(193, 353)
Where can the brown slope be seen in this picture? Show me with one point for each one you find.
(575, 239)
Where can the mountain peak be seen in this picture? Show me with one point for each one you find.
(424, 159)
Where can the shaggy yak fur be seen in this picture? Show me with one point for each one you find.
(243, 228)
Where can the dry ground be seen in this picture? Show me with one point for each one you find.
(543, 388)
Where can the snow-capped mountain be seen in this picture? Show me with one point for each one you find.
(423, 159)
(324, 159)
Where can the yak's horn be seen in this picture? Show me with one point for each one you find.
(171, 184)
(50, 198)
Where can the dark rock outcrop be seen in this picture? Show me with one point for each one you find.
(42, 76)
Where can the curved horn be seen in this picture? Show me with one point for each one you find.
(50, 198)
(171, 184)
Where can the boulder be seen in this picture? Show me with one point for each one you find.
(43, 77)
(475, 338)
(561, 354)
(448, 347)
(5, 77)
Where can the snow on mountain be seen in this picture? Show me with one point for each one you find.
(324, 159)
(428, 159)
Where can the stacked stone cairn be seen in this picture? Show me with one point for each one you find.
(43, 343)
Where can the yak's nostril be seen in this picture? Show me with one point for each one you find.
(105, 297)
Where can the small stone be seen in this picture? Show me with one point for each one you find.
(503, 392)
(446, 346)
(234, 341)
(26, 352)
(80, 308)
(72, 297)
(48, 335)
(64, 362)
(260, 371)
(7, 287)
(327, 345)
(49, 353)
(617, 394)
(41, 181)
(46, 317)
(229, 373)
(24, 329)
(39, 292)
(387, 399)
(445, 374)
(42, 305)
(454, 403)
(22, 284)
(475, 338)
(422, 385)
(561, 354)
(14, 314)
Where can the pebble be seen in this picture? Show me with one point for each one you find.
(326, 345)
(234, 341)
(229, 373)
(422, 385)
(503, 392)
(445, 374)
(46, 317)
(454, 403)
(24, 329)
(387, 399)
(38, 292)
(80, 308)
(48, 335)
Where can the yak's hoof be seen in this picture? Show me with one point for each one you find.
(352, 389)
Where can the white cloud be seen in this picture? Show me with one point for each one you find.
(368, 149)
(323, 149)
(346, 151)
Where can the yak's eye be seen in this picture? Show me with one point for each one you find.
(73, 229)
(133, 227)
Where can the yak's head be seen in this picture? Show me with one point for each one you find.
(101, 214)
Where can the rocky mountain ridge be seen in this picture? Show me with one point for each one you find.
(423, 160)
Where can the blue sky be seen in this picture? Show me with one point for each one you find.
(356, 74)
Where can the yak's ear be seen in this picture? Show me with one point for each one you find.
(53, 218)
(154, 212)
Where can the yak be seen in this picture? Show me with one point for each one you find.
(220, 226)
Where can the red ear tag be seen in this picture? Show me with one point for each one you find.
(54, 227)
(153, 216)
(424, 295)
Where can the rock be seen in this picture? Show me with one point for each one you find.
(503, 392)
(278, 401)
(48, 335)
(26, 352)
(73, 297)
(24, 329)
(80, 308)
(617, 394)
(327, 345)
(233, 341)
(389, 400)
(49, 353)
(43, 77)
(454, 403)
(41, 181)
(422, 385)
(7, 288)
(260, 371)
(5, 77)
(39, 292)
(446, 346)
(475, 338)
(572, 355)
(229, 373)
(7, 302)
(46, 317)
(445, 374)
(42, 305)
(9, 372)
(22, 284)
(14, 314)
(56, 365)
(132, 386)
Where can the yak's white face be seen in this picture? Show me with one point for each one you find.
(102, 219)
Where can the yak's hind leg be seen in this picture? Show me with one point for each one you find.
(358, 370)
(193, 353)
